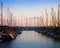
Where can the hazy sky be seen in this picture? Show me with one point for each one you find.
(29, 7)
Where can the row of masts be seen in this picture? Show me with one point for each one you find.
(51, 18)
(42, 20)
(8, 18)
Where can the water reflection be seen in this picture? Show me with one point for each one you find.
(31, 39)
(29, 36)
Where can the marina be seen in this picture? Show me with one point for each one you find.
(31, 26)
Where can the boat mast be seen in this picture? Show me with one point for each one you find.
(58, 15)
(53, 17)
(9, 19)
(1, 14)
(46, 17)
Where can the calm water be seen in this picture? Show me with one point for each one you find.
(31, 39)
